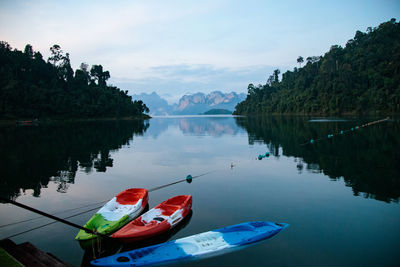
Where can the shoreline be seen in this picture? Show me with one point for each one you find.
(30, 121)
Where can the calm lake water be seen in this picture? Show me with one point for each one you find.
(340, 196)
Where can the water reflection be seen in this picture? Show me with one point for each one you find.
(215, 126)
(367, 160)
(33, 156)
(105, 248)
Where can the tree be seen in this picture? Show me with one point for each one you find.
(5, 46)
(362, 77)
(66, 69)
(313, 59)
(270, 80)
(250, 89)
(56, 54)
(300, 60)
(98, 74)
(142, 107)
(84, 67)
(82, 74)
(38, 56)
(33, 88)
(28, 51)
(276, 75)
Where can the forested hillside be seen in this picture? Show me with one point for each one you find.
(362, 78)
(30, 87)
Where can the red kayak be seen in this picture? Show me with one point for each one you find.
(156, 221)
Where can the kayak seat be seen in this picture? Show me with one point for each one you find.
(122, 209)
(137, 223)
(160, 219)
(240, 227)
(169, 209)
(123, 259)
(189, 247)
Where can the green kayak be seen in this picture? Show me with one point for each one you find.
(120, 210)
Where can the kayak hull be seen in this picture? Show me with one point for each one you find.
(156, 221)
(121, 209)
(197, 246)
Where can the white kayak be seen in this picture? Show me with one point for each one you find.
(196, 246)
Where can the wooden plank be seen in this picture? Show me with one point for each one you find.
(18, 254)
(8, 260)
(28, 255)
(45, 258)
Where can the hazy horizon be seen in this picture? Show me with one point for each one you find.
(175, 99)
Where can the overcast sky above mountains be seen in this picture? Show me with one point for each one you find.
(177, 47)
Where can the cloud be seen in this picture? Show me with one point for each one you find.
(179, 46)
(100, 32)
(173, 81)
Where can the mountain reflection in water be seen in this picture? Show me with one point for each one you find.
(367, 159)
(195, 125)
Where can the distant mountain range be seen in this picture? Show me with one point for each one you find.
(157, 105)
(194, 104)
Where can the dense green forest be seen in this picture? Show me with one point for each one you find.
(30, 87)
(362, 78)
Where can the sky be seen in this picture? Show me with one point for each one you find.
(178, 47)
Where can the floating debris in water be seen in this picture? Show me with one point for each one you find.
(327, 120)
(266, 155)
(341, 132)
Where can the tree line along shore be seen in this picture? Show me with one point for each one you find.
(363, 78)
(32, 88)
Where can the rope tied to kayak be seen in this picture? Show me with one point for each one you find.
(188, 179)
(50, 223)
(330, 136)
(54, 213)
(342, 132)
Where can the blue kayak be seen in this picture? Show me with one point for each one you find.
(201, 245)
